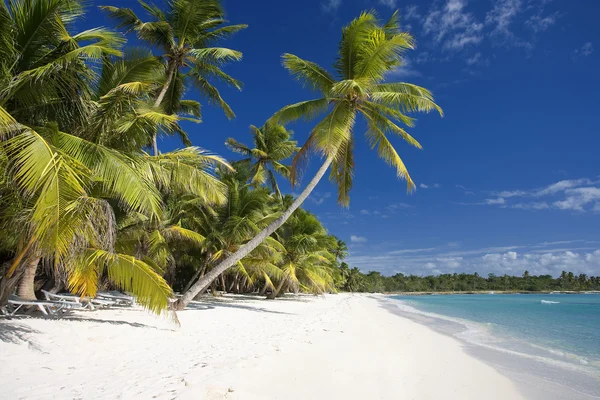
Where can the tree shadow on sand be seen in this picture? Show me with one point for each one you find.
(212, 303)
(15, 332)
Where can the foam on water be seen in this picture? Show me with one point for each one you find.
(554, 343)
(482, 334)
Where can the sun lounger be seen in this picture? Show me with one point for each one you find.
(86, 302)
(69, 298)
(45, 307)
(119, 298)
(102, 302)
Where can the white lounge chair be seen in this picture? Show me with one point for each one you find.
(68, 298)
(15, 303)
(119, 298)
(86, 302)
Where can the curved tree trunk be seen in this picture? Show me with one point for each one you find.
(277, 290)
(8, 284)
(198, 273)
(244, 250)
(159, 100)
(26, 285)
(264, 289)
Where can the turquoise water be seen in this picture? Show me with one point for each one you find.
(549, 344)
(561, 327)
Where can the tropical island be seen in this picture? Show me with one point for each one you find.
(131, 271)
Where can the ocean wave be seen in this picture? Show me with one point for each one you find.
(550, 302)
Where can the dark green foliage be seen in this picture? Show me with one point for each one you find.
(371, 282)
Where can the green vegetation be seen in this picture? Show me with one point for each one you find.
(372, 282)
(84, 205)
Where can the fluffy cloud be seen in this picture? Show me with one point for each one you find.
(502, 16)
(539, 23)
(319, 198)
(331, 5)
(576, 199)
(583, 51)
(405, 70)
(452, 26)
(358, 239)
(579, 195)
(389, 3)
(538, 259)
(430, 186)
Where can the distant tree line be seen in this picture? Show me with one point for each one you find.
(353, 280)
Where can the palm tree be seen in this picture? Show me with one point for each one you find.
(272, 145)
(307, 262)
(184, 33)
(367, 52)
(227, 227)
(65, 184)
(340, 249)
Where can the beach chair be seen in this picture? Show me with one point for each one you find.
(102, 303)
(67, 298)
(120, 299)
(86, 302)
(15, 303)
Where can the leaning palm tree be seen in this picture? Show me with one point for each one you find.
(272, 146)
(368, 51)
(226, 228)
(184, 32)
(307, 261)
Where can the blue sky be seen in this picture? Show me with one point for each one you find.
(509, 178)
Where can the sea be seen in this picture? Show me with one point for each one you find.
(549, 344)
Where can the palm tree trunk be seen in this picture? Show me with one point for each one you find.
(8, 284)
(276, 291)
(223, 283)
(264, 289)
(159, 100)
(198, 273)
(26, 285)
(244, 250)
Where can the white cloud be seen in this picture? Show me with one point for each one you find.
(412, 13)
(331, 5)
(365, 212)
(498, 201)
(577, 198)
(532, 206)
(538, 259)
(319, 198)
(478, 59)
(452, 26)
(430, 186)
(502, 16)
(388, 3)
(562, 186)
(583, 51)
(358, 239)
(405, 70)
(568, 194)
(397, 206)
(539, 23)
(511, 193)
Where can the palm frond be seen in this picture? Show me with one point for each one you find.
(309, 73)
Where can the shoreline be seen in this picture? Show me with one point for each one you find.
(239, 347)
(536, 377)
(491, 292)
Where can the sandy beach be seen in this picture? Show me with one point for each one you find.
(239, 347)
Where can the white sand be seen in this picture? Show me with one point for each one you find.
(332, 347)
